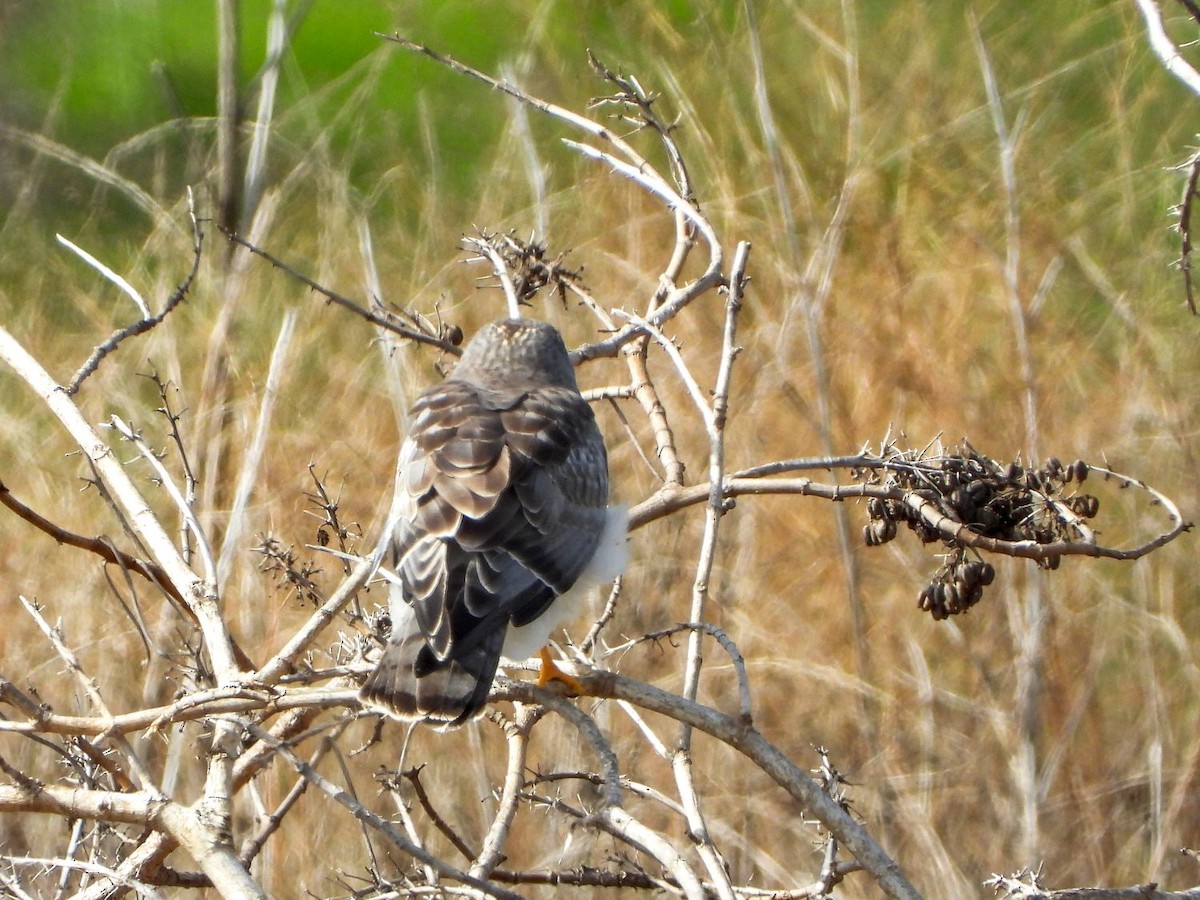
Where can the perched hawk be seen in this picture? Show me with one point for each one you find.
(501, 523)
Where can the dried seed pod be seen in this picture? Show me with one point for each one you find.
(980, 491)
(925, 598)
(452, 334)
(876, 508)
(879, 531)
(1084, 505)
(1050, 562)
(973, 573)
(1080, 470)
(973, 596)
(954, 601)
(1054, 468)
(939, 595)
(962, 501)
(986, 518)
(886, 529)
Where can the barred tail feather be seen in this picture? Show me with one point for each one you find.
(446, 692)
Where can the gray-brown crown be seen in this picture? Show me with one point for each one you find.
(517, 353)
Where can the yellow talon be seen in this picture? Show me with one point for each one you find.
(551, 672)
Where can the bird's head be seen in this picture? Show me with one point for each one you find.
(517, 351)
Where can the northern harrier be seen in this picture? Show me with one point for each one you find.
(501, 523)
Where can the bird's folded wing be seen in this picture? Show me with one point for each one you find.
(506, 495)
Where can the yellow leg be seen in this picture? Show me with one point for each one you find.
(551, 672)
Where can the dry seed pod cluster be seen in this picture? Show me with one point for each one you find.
(956, 586)
(1008, 502)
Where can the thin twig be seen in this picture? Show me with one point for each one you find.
(487, 249)
(251, 461)
(748, 741)
(383, 321)
(1165, 48)
(413, 776)
(92, 689)
(144, 861)
(664, 504)
(726, 644)
(1190, 189)
(632, 165)
(123, 285)
(141, 327)
(269, 824)
(168, 484)
(143, 808)
(99, 546)
(114, 876)
(285, 658)
(373, 821)
(673, 353)
(715, 422)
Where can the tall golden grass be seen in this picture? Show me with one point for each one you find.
(916, 339)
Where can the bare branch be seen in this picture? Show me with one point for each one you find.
(517, 733)
(92, 689)
(384, 320)
(144, 325)
(99, 546)
(746, 740)
(373, 821)
(413, 776)
(954, 530)
(285, 658)
(632, 165)
(136, 808)
(1164, 47)
(168, 483)
(1024, 885)
(1186, 207)
(112, 875)
(199, 596)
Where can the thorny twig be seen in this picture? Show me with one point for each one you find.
(1184, 212)
(328, 505)
(97, 545)
(670, 298)
(371, 820)
(187, 513)
(144, 325)
(413, 777)
(722, 639)
(755, 482)
(173, 418)
(517, 735)
(91, 688)
(383, 320)
(298, 574)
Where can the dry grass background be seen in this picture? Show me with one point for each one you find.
(916, 338)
